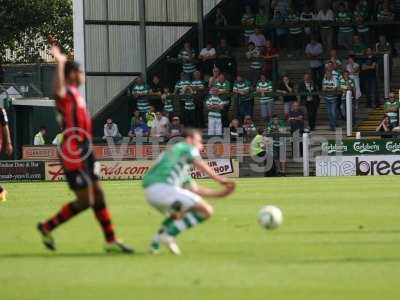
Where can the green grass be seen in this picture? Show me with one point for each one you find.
(340, 240)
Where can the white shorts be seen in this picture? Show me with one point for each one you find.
(168, 198)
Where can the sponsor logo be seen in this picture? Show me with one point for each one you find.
(392, 146)
(333, 148)
(372, 167)
(361, 147)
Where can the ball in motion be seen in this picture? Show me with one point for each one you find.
(270, 217)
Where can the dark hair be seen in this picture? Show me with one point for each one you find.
(260, 130)
(43, 128)
(190, 132)
(71, 66)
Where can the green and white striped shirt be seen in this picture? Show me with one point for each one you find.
(293, 18)
(248, 21)
(168, 104)
(266, 87)
(214, 100)
(243, 86)
(187, 57)
(330, 85)
(224, 86)
(141, 91)
(344, 17)
(180, 87)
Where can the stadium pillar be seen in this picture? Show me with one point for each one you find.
(79, 37)
(306, 154)
(200, 23)
(142, 37)
(386, 72)
(349, 113)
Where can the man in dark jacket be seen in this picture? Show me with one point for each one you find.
(306, 89)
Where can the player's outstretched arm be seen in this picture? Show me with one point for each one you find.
(210, 193)
(59, 82)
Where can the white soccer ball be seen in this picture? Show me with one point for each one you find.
(270, 217)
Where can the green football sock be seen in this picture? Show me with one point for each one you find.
(189, 220)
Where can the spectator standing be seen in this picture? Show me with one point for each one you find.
(361, 16)
(235, 131)
(391, 109)
(280, 5)
(40, 137)
(156, 90)
(295, 33)
(369, 78)
(220, 19)
(385, 14)
(345, 33)
(199, 92)
(354, 73)
(151, 116)
(314, 52)
(326, 30)
(383, 47)
(223, 88)
(306, 89)
(242, 89)
(215, 105)
(168, 101)
(330, 86)
(281, 33)
(261, 17)
(358, 47)
(347, 84)
(248, 22)
(270, 55)
(207, 58)
(140, 92)
(176, 128)
(225, 60)
(286, 86)
(258, 39)
(296, 119)
(334, 60)
(187, 56)
(179, 91)
(276, 127)
(264, 87)
(307, 15)
(111, 132)
(213, 79)
(190, 116)
(253, 54)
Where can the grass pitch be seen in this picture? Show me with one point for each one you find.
(340, 240)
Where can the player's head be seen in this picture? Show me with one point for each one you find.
(194, 138)
(73, 73)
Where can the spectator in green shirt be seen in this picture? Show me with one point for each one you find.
(391, 108)
(242, 91)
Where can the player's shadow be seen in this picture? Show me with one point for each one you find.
(72, 255)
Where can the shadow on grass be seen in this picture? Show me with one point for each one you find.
(72, 255)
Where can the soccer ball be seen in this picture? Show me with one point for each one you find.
(270, 217)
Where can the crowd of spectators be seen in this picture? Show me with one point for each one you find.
(212, 94)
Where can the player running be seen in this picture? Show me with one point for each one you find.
(77, 157)
(7, 142)
(170, 189)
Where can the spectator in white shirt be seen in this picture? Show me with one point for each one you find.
(160, 126)
(207, 58)
(326, 14)
(258, 39)
(111, 132)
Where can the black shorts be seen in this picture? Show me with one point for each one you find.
(83, 178)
